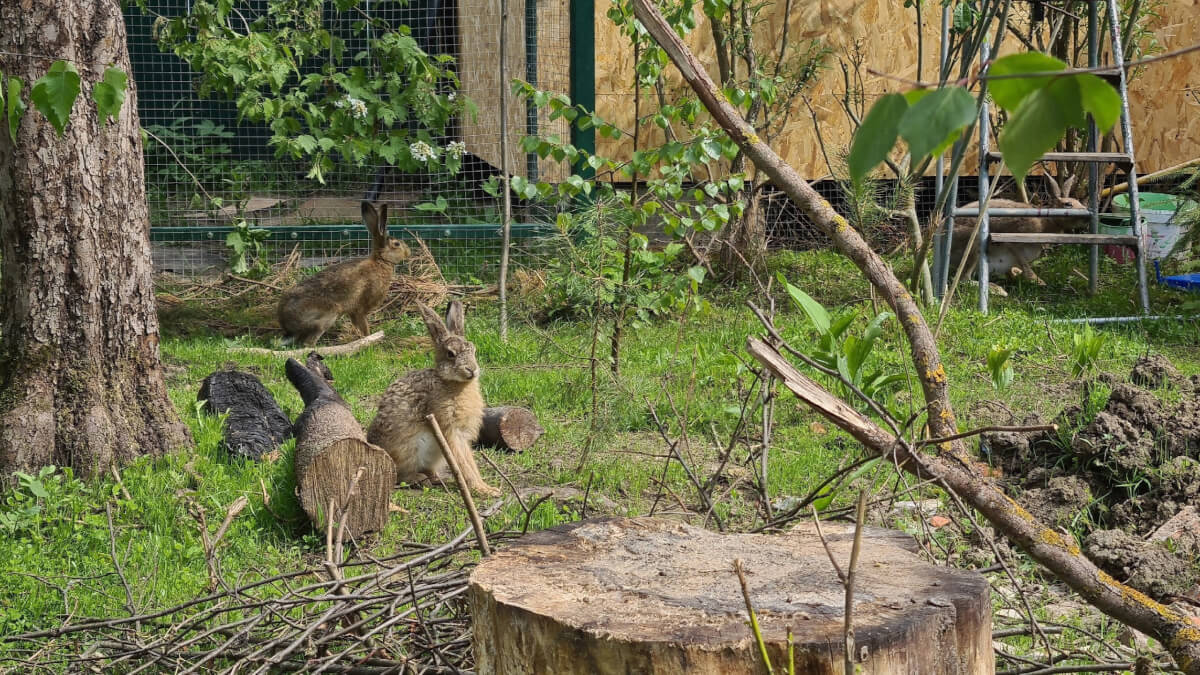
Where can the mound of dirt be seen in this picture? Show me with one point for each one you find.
(1153, 371)
(1147, 566)
(1114, 476)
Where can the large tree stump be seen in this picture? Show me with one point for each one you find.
(609, 596)
(256, 424)
(330, 449)
(509, 428)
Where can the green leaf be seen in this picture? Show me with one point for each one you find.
(877, 135)
(1008, 93)
(696, 274)
(1037, 125)
(55, 92)
(862, 348)
(109, 94)
(16, 107)
(306, 143)
(938, 116)
(1100, 99)
(816, 313)
(38, 490)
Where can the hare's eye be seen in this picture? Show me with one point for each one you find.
(450, 353)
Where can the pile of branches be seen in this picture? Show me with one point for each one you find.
(402, 613)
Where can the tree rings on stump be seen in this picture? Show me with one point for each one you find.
(509, 428)
(645, 595)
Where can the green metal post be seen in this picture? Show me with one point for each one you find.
(583, 73)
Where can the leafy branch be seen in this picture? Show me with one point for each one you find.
(54, 95)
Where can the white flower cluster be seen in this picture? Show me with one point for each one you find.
(357, 108)
(452, 96)
(456, 149)
(422, 152)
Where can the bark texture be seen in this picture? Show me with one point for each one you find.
(645, 595)
(509, 428)
(81, 382)
(339, 475)
(255, 425)
(953, 467)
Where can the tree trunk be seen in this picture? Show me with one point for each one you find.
(646, 595)
(744, 247)
(81, 382)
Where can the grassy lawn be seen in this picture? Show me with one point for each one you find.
(601, 436)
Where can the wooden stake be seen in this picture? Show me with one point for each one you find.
(468, 501)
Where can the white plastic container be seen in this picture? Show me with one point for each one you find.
(1161, 224)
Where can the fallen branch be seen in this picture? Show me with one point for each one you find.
(1057, 553)
(337, 350)
(988, 430)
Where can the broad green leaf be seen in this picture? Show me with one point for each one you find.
(109, 94)
(1035, 127)
(38, 490)
(16, 107)
(816, 313)
(840, 324)
(55, 92)
(1100, 99)
(914, 95)
(939, 115)
(1008, 93)
(877, 135)
(862, 348)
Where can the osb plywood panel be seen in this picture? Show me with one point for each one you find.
(1165, 100)
(479, 74)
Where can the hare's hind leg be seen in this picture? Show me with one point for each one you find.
(359, 319)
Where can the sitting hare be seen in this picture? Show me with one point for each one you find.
(1010, 260)
(450, 392)
(354, 287)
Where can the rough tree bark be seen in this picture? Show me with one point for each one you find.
(952, 465)
(81, 381)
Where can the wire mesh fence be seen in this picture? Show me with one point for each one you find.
(207, 168)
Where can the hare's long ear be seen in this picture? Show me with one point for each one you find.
(455, 321)
(372, 219)
(437, 329)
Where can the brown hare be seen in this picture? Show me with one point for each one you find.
(1010, 260)
(353, 287)
(450, 392)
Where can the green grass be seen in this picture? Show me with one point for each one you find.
(694, 369)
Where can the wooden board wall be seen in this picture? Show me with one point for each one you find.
(1165, 99)
(479, 74)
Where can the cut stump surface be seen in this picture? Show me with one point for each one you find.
(649, 595)
(509, 428)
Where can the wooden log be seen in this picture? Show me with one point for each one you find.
(509, 428)
(255, 424)
(646, 595)
(330, 449)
